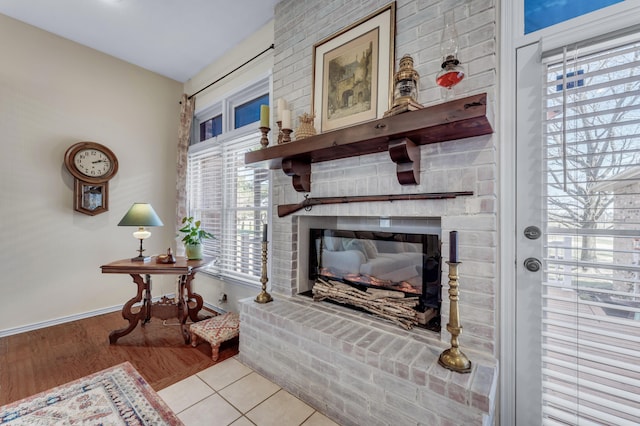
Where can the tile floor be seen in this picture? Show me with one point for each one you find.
(230, 393)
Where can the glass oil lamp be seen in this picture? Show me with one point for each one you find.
(452, 72)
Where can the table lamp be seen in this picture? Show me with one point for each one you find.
(141, 215)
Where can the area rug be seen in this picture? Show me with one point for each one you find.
(116, 396)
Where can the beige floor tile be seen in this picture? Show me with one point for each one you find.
(242, 421)
(318, 419)
(249, 391)
(185, 393)
(224, 373)
(282, 409)
(212, 411)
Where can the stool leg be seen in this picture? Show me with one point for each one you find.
(214, 352)
(194, 340)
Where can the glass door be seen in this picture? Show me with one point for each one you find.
(578, 225)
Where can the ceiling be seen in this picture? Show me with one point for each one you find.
(174, 38)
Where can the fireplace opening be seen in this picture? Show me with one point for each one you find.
(361, 269)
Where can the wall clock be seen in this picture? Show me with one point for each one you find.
(92, 166)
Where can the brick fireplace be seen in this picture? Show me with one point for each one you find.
(356, 368)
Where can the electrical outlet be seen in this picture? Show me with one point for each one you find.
(223, 298)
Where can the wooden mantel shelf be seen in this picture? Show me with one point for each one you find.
(401, 135)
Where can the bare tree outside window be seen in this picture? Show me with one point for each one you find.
(601, 132)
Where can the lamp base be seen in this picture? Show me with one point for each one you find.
(141, 258)
(406, 106)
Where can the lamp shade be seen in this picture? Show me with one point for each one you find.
(141, 214)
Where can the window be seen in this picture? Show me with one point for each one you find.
(540, 14)
(230, 199)
(249, 112)
(210, 128)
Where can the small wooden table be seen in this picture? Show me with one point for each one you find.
(185, 307)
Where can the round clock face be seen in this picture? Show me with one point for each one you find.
(92, 162)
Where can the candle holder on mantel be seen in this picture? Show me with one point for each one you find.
(453, 358)
(264, 141)
(264, 297)
(286, 135)
(279, 123)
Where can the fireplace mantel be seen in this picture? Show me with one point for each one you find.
(401, 135)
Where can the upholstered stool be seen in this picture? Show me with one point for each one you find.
(215, 330)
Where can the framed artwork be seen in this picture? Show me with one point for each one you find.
(353, 72)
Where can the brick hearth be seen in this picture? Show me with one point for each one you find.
(361, 370)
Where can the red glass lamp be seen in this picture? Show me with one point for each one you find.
(452, 72)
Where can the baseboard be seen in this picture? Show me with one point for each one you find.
(61, 320)
(75, 317)
(214, 308)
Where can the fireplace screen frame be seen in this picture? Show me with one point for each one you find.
(406, 262)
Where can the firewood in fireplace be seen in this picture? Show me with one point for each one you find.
(387, 304)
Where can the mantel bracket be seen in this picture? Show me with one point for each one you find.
(406, 155)
(300, 172)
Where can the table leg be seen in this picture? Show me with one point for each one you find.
(147, 299)
(128, 314)
(183, 308)
(194, 300)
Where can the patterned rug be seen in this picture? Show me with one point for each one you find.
(116, 396)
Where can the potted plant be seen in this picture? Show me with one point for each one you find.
(193, 237)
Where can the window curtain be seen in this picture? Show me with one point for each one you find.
(187, 106)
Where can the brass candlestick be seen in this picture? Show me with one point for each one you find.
(286, 135)
(264, 297)
(453, 358)
(279, 123)
(264, 141)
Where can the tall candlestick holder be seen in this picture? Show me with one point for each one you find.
(453, 358)
(286, 135)
(264, 297)
(264, 141)
(280, 134)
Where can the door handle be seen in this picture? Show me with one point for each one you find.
(532, 264)
(532, 232)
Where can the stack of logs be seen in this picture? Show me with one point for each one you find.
(391, 305)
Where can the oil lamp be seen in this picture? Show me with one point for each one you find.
(452, 72)
(405, 88)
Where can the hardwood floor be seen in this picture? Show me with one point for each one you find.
(38, 360)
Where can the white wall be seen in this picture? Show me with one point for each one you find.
(207, 286)
(54, 93)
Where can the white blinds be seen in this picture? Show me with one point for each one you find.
(231, 201)
(591, 289)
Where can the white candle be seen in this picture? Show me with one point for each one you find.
(282, 105)
(286, 119)
(264, 115)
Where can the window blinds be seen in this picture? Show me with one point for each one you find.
(591, 285)
(231, 200)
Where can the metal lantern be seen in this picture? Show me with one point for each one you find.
(405, 88)
(405, 83)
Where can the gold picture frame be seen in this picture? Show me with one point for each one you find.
(353, 72)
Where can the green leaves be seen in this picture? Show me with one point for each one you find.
(193, 233)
